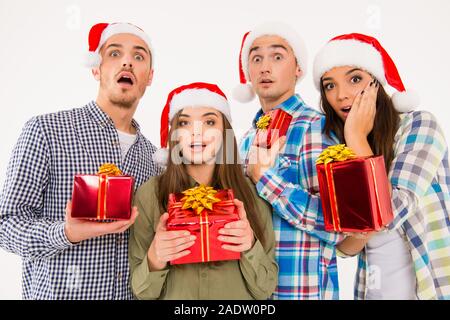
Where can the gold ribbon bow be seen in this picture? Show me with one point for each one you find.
(263, 122)
(338, 152)
(199, 198)
(109, 169)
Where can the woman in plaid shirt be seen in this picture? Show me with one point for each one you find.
(408, 260)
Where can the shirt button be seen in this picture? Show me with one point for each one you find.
(204, 275)
(119, 276)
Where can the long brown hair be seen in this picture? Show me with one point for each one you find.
(381, 138)
(227, 175)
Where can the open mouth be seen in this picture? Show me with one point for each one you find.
(126, 78)
(198, 146)
(346, 109)
(266, 81)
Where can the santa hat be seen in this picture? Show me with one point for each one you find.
(197, 94)
(244, 92)
(101, 32)
(364, 52)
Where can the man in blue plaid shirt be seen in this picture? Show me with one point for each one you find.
(65, 258)
(273, 59)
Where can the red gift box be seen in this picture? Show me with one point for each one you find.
(205, 226)
(355, 195)
(102, 196)
(271, 126)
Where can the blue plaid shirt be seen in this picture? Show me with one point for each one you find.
(50, 151)
(305, 253)
(420, 178)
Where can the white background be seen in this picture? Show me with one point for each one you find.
(42, 44)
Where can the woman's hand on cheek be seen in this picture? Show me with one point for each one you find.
(361, 117)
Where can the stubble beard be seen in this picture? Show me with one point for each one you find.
(123, 101)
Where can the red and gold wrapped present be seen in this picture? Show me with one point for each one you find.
(271, 126)
(203, 211)
(354, 191)
(104, 196)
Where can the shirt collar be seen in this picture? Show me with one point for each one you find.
(290, 106)
(103, 120)
(193, 183)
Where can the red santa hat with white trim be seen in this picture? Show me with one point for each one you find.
(197, 94)
(101, 32)
(364, 52)
(244, 91)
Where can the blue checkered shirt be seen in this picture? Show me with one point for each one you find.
(305, 253)
(51, 149)
(420, 178)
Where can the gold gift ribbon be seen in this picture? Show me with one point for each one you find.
(109, 169)
(263, 122)
(337, 152)
(204, 229)
(372, 166)
(105, 170)
(332, 194)
(199, 198)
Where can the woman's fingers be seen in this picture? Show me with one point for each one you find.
(237, 232)
(171, 235)
(176, 256)
(174, 249)
(235, 240)
(236, 248)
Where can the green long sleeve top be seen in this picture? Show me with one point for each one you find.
(254, 276)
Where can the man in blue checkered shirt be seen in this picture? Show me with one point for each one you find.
(65, 258)
(273, 59)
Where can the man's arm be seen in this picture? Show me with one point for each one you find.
(23, 231)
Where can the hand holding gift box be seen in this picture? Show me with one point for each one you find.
(271, 126)
(106, 195)
(354, 191)
(203, 211)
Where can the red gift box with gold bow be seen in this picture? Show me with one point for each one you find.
(354, 191)
(203, 211)
(271, 126)
(104, 196)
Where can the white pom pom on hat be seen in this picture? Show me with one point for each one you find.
(197, 94)
(364, 52)
(161, 156)
(405, 101)
(244, 92)
(101, 32)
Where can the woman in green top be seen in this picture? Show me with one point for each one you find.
(201, 153)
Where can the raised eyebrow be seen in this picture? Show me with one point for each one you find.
(210, 114)
(327, 79)
(184, 115)
(253, 49)
(141, 48)
(278, 46)
(353, 70)
(115, 45)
